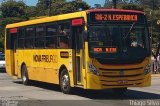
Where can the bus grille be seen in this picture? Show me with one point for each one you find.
(114, 78)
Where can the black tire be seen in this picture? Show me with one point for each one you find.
(119, 91)
(65, 82)
(24, 75)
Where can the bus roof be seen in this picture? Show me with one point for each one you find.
(114, 10)
(65, 16)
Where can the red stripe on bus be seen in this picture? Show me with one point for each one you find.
(76, 22)
(14, 30)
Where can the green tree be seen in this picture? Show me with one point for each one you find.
(13, 8)
(132, 7)
(76, 6)
(154, 4)
(41, 8)
(31, 11)
(11, 12)
(60, 7)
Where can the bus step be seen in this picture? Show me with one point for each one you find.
(79, 85)
(14, 77)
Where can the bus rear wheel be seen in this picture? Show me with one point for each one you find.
(24, 75)
(65, 82)
(119, 91)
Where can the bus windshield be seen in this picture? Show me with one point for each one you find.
(119, 42)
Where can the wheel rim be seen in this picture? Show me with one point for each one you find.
(65, 82)
(24, 75)
(24, 78)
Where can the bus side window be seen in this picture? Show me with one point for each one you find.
(40, 37)
(63, 42)
(51, 42)
(21, 39)
(51, 37)
(63, 33)
(29, 37)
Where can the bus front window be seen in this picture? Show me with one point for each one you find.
(136, 37)
(104, 36)
(126, 45)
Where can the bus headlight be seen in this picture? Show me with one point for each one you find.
(147, 69)
(93, 69)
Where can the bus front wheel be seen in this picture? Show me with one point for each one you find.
(24, 75)
(65, 82)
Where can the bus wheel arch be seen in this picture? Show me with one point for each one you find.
(24, 74)
(64, 80)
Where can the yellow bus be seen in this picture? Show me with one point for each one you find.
(93, 49)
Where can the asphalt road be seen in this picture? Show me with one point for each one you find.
(14, 93)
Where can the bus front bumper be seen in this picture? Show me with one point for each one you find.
(102, 82)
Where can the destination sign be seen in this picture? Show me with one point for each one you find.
(96, 17)
(115, 17)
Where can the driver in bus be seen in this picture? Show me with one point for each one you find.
(133, 39)
(136, 41)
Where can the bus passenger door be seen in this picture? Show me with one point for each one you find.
(13, 45)
(77, 57)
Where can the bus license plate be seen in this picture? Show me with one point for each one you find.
(122, 81)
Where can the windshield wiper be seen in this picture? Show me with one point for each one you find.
(132, 26)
